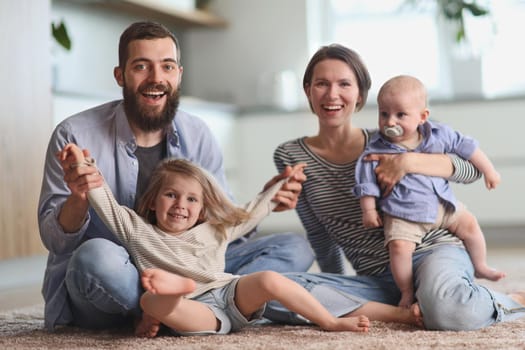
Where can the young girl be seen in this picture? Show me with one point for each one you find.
(178, 238)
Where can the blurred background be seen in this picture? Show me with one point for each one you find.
(243, 64)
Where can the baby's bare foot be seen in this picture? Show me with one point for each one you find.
(489, 273)
(147, 327)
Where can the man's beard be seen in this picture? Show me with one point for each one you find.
(145, 117)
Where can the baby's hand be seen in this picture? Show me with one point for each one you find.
(492, 179)
(371, 218)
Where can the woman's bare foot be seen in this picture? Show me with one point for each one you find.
(351, 323)
(147, 327)
(518, 296)
(488, 273)
(407, 299)
(389, 313)
(415, 316)
(410, 315)
(157, 281)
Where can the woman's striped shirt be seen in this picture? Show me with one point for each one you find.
(331, 214)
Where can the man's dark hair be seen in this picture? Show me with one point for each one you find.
(141, 31)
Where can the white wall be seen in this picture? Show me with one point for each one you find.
(88, 68)
(234, 64)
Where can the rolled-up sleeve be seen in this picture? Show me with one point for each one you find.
(54, 193)
(464, 171)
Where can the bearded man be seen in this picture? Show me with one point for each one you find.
(90, 279)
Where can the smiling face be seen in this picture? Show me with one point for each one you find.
(150, 81)
(179, 203)
(333, 92)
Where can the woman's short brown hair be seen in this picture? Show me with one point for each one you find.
(348, 56)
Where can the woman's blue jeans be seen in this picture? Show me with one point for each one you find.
(447, 294)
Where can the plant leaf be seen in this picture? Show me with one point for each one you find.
(476, 10)
(61, 36)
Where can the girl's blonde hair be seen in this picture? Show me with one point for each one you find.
(218, 210)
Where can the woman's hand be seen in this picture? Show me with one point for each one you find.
(391, 168)
(288, 195)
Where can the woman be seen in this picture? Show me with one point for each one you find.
(336, 83)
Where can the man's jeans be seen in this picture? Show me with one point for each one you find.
(104, 285)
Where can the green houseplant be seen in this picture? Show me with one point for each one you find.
(454, 11)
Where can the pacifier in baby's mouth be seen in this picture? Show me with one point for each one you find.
(393, 131)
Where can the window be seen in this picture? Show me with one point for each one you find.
(394, 37)
(503, 55)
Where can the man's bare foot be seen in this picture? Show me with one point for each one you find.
(351, 323)
(488, 273)
(518, 296)
(147, 327)
(157, 281)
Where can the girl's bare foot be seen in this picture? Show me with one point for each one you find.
(147, 327)
(350, 323)
(157, 281)
(489, 273)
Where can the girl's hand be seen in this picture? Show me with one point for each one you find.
(288, 195)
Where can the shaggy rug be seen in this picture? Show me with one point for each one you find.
(23, 329)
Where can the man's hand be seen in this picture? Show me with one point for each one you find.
(79, 178)
(288, 195)
(389, 171)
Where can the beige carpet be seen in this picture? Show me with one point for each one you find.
(22, 329)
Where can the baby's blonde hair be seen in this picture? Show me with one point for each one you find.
(405, 83)
(218, 210)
